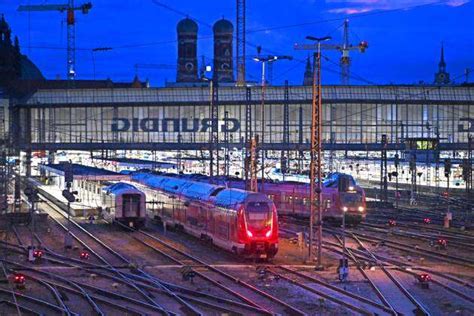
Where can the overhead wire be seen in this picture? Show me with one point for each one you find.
(179, 12)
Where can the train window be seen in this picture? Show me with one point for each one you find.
(258, 215)
(271, 197)
(351, 198)
(216, 191)
(328, 203)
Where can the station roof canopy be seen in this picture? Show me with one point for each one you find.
(81, 172)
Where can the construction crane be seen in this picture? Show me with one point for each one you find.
(344, 48)
(70, 9)
(240, 47)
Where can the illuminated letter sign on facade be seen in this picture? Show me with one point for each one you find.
(185, 125)
(150, 125)
(120, 125)
(466, 125)
(172, 125)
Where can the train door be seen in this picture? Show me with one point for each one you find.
(131, 205)
(221, 223)
(282, 202)
(202, 218)
(233, 223)
(211, 215)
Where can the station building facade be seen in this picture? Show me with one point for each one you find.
(354, 117)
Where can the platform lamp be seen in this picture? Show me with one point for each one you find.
(264, 60)
(212, 86)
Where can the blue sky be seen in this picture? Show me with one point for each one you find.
(404, 36)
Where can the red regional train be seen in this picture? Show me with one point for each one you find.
(340, 193)
(243, 222)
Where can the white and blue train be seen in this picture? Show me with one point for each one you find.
(124, 203)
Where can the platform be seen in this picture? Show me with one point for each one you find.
(76, 208)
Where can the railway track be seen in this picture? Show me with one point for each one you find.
(53, 281)
(415, 250)
(353, 302)
(212, 303)
(399, 246)
(458, 287)
(167, 287)
(461, 242)
(246, 292)
(98, 248)
(388, 290)
(395, 293)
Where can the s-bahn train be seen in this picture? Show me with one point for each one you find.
(119, 201)
(340, 193)
(124, 203)
(243, 222)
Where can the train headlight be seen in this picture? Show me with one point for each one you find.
(344, 209)
(268, 234)
(361, 209)
(249, 233)
(19, 278)
(37, 253)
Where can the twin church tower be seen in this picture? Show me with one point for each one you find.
(223, 69)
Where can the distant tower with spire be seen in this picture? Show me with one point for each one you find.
(308, 73)
(442, 77)
(10, 57)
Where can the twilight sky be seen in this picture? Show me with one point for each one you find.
(404, 36)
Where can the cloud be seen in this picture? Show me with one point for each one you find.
(362, 6)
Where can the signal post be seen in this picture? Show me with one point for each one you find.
(316, 149)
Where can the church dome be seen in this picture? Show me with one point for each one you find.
(223, 26)
(29, 71)
(187, 26)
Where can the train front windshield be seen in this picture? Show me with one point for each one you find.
(131, 205)
(259, 216)
(351, 198)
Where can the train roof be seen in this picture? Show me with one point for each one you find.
(192, 189)
(229, 197)
(121, 188)
(333, 178)
(81, 172)
(223, 196)
(330, 179)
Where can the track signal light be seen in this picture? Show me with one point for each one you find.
(38, 253)
(19, 280)
(84, 255)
